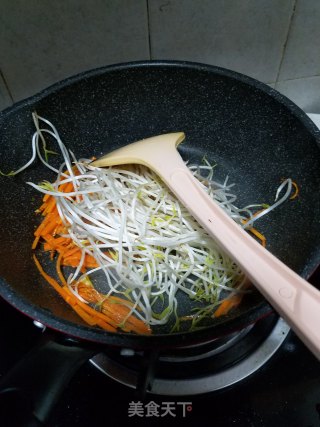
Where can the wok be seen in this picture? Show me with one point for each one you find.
(254, 134)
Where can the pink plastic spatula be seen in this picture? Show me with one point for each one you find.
(293, 298)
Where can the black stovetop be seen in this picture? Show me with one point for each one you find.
(284, 392)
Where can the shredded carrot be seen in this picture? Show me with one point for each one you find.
(71, 299)
(48, 278)
(35, 242)
(254, 231)
(232, 301)
(59, 272)
(259, 235)
(296, 190)
(295, 186)
(111, 312)
(50, 205)
(228, 304)
(66, 188)
(114, 308)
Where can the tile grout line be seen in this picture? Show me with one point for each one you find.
(286, 41)
(297, 78)
(292, 79)
(149, 33)
(6, 86)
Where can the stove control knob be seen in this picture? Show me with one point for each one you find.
(39, 325)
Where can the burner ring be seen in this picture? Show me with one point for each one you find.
(202, 384)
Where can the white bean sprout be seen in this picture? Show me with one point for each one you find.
(146, 244)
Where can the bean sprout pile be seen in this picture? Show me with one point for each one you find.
(147, 246)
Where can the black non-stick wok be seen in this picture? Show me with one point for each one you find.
(254, 134)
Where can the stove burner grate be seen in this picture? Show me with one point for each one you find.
(196, 369)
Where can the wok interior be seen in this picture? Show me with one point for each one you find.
(254, 136)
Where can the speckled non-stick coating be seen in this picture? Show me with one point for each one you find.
(253, 133)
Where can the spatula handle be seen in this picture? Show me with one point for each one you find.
(295, 299)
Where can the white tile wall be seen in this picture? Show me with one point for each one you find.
(277, 42)
(302, 53)
(304, 92)
(299, 74)
(5, 98)
(44, 41)
(246, 36)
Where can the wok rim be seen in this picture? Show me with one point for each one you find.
(68, 81)
(87, 333)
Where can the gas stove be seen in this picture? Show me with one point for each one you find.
(262, 376)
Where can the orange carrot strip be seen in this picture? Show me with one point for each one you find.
(254, 231)
(296, 191)
(86, 317)
(105, 325)
(89, 293)
(62, 241)
(115, 299)
(61, 229)
(49, 228)
(94, 312)
(116, 311)
(47, 247)
(50, 240)
(115, 314)
(60, 274)
(90, 261)
(259, 235)
(74, 259)
(70, 263)
(69, 297)
(66, 187)
(132, 323)
(35, 242)
(48, 278)
(51, 244)
(49, 222)
(244, 221)
(41, 227)
(75, 301)
(50, 205)
(42, 207)
(227, 305)
(72, 251)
